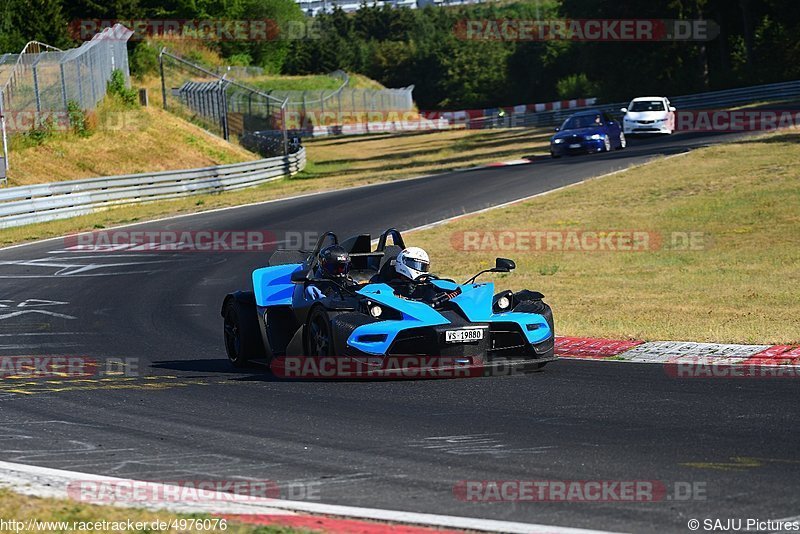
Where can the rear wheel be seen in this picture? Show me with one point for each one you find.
(622, 141)
(242, 333)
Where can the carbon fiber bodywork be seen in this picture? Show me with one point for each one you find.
(380, 318)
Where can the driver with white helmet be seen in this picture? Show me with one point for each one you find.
(412, 275)
(413, 263)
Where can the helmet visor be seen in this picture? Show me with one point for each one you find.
(339, 268)
(417, 265)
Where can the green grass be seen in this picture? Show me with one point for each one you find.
(740, 285)
(312, 82)
(23, 508)
(316, 82)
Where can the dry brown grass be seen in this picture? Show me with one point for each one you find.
(380, 157)
(125, 142)
(741, 287)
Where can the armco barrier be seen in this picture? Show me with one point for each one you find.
(710, 100)
(58, 200)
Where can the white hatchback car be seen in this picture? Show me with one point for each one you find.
(649, 115)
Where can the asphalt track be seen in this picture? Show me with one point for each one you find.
(184, 414)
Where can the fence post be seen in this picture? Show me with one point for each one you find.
(36, 87)
(63, 86)
(163, 81)
(5, 138)
(223, 115)
(284, 127)
(80, 83)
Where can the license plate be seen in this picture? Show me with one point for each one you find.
(576, 145)
(463, 336)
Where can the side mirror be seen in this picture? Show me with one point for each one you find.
(672, 108)
(624, 110)
(299, 276)
(504, 265)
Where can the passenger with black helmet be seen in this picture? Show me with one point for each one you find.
(332, 273)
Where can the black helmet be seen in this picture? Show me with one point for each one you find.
(334, 261)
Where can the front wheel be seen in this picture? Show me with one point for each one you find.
(606, 144)
(319, 334)
(534, 367)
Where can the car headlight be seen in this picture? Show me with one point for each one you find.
(503, 303)
(596, 137)
(375, 310)
(558, 141)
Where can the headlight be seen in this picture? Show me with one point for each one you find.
(596, 137)
(503, 303)
(558, 141)
(375, 310)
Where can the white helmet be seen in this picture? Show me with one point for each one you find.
(412, 263)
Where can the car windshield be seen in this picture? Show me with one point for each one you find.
(647, 105)
(581, 121)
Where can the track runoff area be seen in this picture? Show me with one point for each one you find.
(101, 419)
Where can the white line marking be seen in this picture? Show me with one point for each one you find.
(47, 482)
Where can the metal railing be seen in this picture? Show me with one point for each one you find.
(59, 200)
(42, 79)
(710, 100)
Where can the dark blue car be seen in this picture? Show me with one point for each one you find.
(587, 132)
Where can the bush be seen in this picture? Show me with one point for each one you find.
(576, 86)
(116, 86)
(240, 60)
(78, 120)
(40, 132)
(144, 60)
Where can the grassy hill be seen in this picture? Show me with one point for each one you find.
(122, 141)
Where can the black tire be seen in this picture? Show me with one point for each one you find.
(536, 367)
(540, 307)
(553, 156)
(319, 334)
(242, 333)
(606, 143)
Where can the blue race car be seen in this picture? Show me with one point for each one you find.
(587, 132)
(368, 318)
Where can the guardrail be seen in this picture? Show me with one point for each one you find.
(711, 100)
(59, 200)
